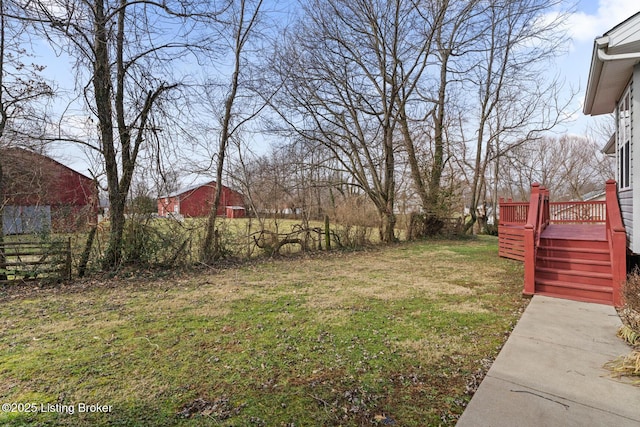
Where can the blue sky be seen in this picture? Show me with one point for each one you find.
(591, 19)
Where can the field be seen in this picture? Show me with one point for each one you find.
(397, 335)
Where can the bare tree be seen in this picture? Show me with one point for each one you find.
(349, 67)
(449, 28)
(129, 56)
(516, 43)
(243, 17)
(569, 166)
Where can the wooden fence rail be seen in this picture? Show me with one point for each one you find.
(27, 261)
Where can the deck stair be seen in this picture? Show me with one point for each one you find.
(573, 261)
(574, 250)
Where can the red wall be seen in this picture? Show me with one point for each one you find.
(36, 180)
(198, 202)
(74, 189)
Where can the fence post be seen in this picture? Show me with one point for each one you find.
(327, 233)
(68, 260)
(3, 260)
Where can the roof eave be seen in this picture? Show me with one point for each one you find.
(595, 73)
(610, 147)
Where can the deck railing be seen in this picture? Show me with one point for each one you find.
(516, 213)
(513, 213)
(578, 212)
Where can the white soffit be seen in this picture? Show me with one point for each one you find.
(614, 56)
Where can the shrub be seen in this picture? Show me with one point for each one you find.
(629, 365)
(162, 241)
(355, 216)
(422, 225)
(630, 313)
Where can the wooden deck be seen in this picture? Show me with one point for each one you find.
(574, 250)
(590, 232)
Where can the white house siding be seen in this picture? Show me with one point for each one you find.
(630, 205)
(626, 206)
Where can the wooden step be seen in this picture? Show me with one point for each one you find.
(579, 292)
(566, 243)
(585, 253)
(570, 262)
(574, 262)
(575, 276)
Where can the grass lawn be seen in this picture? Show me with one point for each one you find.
(389, 336)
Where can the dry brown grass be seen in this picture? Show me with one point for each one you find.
(629, 366)
(626, 367)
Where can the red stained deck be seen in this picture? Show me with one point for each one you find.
(573, 250)
(590, 232)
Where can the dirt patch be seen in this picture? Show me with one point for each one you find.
(433, 349)
(464, 307)
(219, 409)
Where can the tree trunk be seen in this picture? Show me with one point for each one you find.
(414, 166)
(211, 248)
(82, 268)
(389, 222)
(475, 184)
(113, 254)
(429, 190)
(124, 158)
(3, 276)
(434, 209)
(387, 228)
(102, 90)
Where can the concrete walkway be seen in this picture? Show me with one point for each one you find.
(550, 372)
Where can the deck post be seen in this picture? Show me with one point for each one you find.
(529, 261)
(617, 237)
(530, 241)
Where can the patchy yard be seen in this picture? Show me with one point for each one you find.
(391, 336)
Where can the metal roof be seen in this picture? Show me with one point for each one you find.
(187, 189)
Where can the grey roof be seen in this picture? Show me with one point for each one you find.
(187, 189)
(593, 195)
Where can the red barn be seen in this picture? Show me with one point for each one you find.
(196, 201)
(41, 193)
